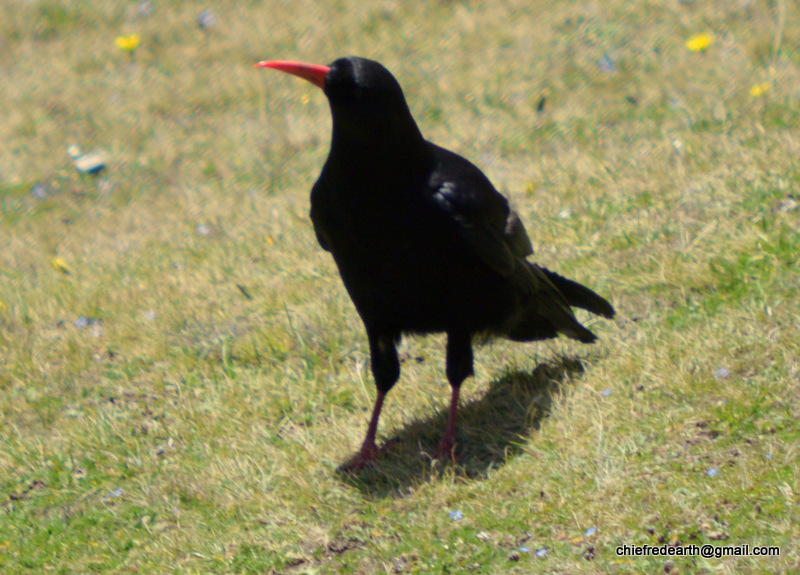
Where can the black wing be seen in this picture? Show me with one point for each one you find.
(485, 221)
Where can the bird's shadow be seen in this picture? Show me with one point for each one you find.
(491, 430)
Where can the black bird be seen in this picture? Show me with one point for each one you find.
(423, 241)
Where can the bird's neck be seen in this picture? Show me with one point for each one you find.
(396, 154)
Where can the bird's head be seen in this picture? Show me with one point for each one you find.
(366, 101)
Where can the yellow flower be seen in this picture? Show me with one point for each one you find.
(60, 265)
(129, 43)
(759, 89)
(700, 42)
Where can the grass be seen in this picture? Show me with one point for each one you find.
(176, 397)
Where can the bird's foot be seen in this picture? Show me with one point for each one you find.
(368, 454)
(447, 448)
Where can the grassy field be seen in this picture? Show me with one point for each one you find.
(182, 372)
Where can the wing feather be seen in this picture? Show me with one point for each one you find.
(485, 221)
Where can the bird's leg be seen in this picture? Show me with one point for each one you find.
(369, 449)
(386, 370)
(448, 442)
(459, 368)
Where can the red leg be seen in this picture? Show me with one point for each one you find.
(447, 444)
(369, 449)
(386, 370)
(459, 368)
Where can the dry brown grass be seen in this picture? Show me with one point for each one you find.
(652, 175)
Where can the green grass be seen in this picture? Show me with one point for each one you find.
(193, 421)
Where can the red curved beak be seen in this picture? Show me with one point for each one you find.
(314, 73)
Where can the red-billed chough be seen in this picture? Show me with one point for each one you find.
(422, 239)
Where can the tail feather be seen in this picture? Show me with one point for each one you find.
(578, 295)
(545, 311)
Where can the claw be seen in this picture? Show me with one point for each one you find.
(447, 448)
(367, 456)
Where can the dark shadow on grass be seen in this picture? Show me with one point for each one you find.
(491, 430)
